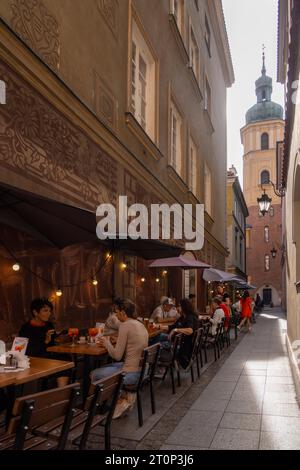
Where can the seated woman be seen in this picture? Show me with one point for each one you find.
(39, 330)
(186, 324)
(132, 340)
(112, 323)
(41, 333)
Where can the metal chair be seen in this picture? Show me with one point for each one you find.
(149, 362)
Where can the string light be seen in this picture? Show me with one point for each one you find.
(58, 293)
(94, 282)
(16, 267)
(123, 265)
(157, 279)
(143, 279)
(165, 273)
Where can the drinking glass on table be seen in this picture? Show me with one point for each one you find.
(92, 333)
(73, 333)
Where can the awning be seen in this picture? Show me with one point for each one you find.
(179, 261)
(62, 225)
(216, 275)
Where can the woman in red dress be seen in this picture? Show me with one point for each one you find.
(246, 310)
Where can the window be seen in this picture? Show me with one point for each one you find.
(193, 167)
(142, 82)
(207, 34)
(177, 11)
(267, 262)
(207, 96)
(176, 139)
(207, 189)
(271, 211)
(248, 237)
(266, 234)
(264, 177)
(194, 55)
(264, 141)
(264, 95)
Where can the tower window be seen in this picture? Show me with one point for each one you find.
(264, 141)
(264, 95)
(266, 233)
(267, 262)
(264, 177)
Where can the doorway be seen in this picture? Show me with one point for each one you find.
(267, 296)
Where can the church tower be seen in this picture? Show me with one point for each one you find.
(264, 128)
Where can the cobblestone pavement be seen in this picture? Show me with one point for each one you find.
(251, 402)
(126, 434)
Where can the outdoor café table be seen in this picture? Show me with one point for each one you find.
(86, 350)
(39, 368)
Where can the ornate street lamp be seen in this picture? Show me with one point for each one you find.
(273, 252)
(264, 203)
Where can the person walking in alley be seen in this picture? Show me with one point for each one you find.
(246, 311)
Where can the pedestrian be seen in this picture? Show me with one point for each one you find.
(258, 303)
(246, 311)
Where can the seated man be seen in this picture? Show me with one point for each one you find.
(132, 340)
(166, 310)
(218, 314)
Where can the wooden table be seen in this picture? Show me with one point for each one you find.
(39, 368)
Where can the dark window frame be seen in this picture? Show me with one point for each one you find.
(264, 141)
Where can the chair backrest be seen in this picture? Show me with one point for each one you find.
(206, 328)
(176, 345)
(148, 363)
(32, 411)
(200, 339)
(105, 394)
(196, 337)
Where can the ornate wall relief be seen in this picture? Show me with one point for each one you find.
(109, 9)
(38, 28)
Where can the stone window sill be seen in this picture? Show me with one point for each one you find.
(178, 38)
(143, 137)
(195, 83)
(209, 121)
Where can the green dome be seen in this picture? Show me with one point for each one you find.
(264, 111)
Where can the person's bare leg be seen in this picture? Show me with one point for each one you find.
(62, 381)
(242, 323)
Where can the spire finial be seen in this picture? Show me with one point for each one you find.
(263, 70)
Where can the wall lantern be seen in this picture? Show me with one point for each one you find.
(264, 203)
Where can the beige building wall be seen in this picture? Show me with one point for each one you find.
(257, 160)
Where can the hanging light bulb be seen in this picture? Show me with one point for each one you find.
(143, 279)
(165, 273)
(58, 292)
(123, 265)
(157, 279)
(108, 255)
(94, 282)
(16, 267)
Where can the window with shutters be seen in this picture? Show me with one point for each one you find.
(142, 82)
(176, 138)
(193, 168)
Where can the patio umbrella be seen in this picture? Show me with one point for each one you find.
(179, 262)
(217, 275)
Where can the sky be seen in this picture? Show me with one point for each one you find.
(250, 24)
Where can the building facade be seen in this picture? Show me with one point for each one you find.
(289, 171)
(237, 213)
(104, 99)
(264, 128)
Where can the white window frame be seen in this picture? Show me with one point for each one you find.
(194, 55)
(142, 99)
(176, 138)
(267, 262)
(266, 233)
(207, 189)
(193, 167)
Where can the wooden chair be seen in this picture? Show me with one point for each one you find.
(98, 409)
(149, 362)
(35, 410)
(171, 364)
